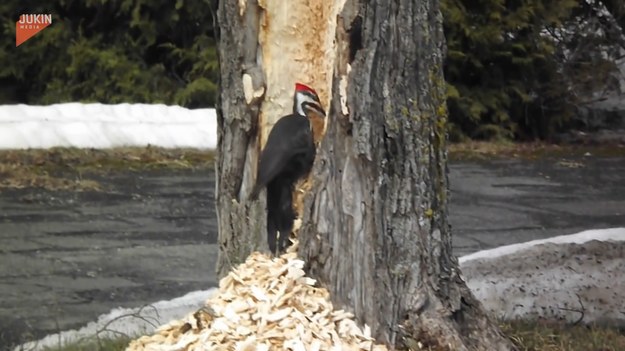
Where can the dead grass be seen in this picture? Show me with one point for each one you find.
(551, 336)
(70, 168)
(482, 150)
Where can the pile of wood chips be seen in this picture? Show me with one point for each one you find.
(264, 304)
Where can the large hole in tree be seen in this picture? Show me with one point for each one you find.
(355, 38)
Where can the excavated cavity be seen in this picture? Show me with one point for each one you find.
(297, 43)
(355, 38)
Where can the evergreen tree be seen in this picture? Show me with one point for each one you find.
(112, 51)
(500, 63)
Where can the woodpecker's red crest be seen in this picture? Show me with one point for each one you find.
(304, 87)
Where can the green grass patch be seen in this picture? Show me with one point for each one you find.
(71, 168)
(483, 150)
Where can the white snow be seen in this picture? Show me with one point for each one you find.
(106, 126)
(126, 321)
(571, 278)
(616, 234)
(547, 289)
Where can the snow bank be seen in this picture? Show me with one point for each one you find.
(106, 126)
(574, 278)
(126, 321)
(616, 234)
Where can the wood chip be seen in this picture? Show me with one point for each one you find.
(264, 304)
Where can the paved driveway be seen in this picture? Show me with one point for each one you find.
(504, 202)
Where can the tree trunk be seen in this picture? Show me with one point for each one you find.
(375, 229)
(237, 118)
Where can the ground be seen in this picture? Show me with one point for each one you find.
(504, 201)
(67, 257)
(149, 234)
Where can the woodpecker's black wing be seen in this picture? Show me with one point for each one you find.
(290, 136)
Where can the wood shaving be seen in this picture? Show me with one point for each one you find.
(264, 304)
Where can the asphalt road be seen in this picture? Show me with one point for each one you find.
(67, 257)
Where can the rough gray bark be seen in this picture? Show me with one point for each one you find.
(237, 142)
(375, 228)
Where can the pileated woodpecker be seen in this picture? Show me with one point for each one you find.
(288, 156)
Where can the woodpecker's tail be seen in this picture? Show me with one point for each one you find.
(280, 213)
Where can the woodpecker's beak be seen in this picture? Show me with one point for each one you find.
(321, 113)
(315, 110)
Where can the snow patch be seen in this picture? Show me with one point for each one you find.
(106, 126)
(124, 321)
(615, 234)
(574, 278)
